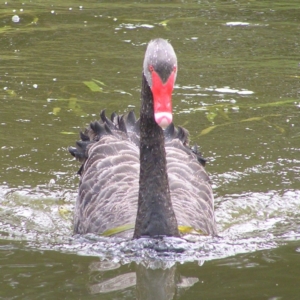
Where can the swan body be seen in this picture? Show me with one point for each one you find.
(138, 179)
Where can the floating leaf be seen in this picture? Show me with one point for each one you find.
(100, 82)
(35, 20)
(280, 129)
(76, 108)
(68, 132)
(94, 87)
(11, 92)
(56, 110)
(211, 116)
(118, 229)
(164, 23)
(190, 230)
(277, 103)
(252, 119)
(251, 105)
(259, 118)
(184, 124)
(224, 114)
(64, 212)
(208, 130)
(5, 29)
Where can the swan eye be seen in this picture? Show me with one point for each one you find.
(151, 69)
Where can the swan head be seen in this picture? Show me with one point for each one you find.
(160, 70)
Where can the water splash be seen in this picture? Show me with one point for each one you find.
(247, 222)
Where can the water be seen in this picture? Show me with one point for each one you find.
(237, 92)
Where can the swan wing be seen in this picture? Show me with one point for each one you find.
(107, 197)
(190, 188)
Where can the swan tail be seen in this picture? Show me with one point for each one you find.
(80, 153)
(108, 122)
(171, 132)
(200, 158)
(122, 126)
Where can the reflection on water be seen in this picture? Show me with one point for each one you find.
(237, 93)
(161, 282)
(49, 274)
(117, 283)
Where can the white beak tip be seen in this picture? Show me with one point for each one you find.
(163, 119)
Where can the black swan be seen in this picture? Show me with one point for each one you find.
(140, 177)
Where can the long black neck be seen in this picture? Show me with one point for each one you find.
(155, 215)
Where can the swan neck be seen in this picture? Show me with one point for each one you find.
(155, 216)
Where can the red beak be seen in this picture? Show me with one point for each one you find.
(162, 97)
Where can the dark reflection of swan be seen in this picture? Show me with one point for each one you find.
(138, 179)
(145, 283)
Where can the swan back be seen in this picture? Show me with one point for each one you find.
(108, 191)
